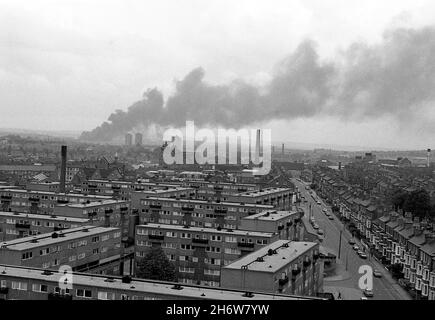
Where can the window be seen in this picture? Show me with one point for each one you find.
(95, 239)
(27, 255)
(39, 288)
(231, 239)
(19, 285)
(105, 237)
(106, 295)
(96, 251)
(84, 293)
(116, 235)
(81, 256)
(3, 284)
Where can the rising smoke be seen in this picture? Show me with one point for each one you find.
(395, 77)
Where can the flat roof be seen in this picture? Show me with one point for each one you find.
(271, 215)
(41, 216)
(263, 192)
(92, 204)
(208, 230)
(275, 262)
(57, 193)
(144, 286)
(212, 202)
(158, 191)
(46, 239)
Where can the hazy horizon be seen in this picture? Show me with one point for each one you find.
(345, 73)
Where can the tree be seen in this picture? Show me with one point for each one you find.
(156, 266)
(418, 202)
(399, 198)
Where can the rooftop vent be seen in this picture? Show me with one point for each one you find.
(54, 235)
(260, 259)
(248, 295)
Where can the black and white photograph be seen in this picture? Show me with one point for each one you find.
(217, 158)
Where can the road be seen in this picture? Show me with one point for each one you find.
(384, 288)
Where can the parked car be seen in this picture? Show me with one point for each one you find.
(368, 293)
(324, 210)
(320, 232)
(312, 220)
(355, 247)
(319, 203)
(377, 273)
(330, 217)
(352, 241)
(363, 255)
(316, 226)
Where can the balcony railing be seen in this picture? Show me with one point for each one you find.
(221, 211)
(33, 199)
(22, 225)
(245, 244)
(155, 206)
(62, 201)
(156, 237)
(6, 197)
(59, 296)
(108, 211)
(200, 241)
(188, 209)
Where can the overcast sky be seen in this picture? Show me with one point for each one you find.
(66, 65)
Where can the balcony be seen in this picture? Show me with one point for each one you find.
(155, 206)
(307, 263)
(200, 241)
(92, 186)
(59, 296)
(283, 281)
(159, 237)
(188, 209)
(92, 214)
(116, 188)
(245, 245)
(242, 189)
(33, 199)
(221, 211)
(22, 225)
(6, 197)
(58, 228)
(62, 201)
(108, 211)
(4, 290)
(123, 209)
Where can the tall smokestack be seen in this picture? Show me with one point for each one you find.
(257, 145)
(339, 165)
(283, 149)
(63, 169)
(428, 157)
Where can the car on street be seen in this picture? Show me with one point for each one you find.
(319, 203)
(377, 273)
(363, 298)
(330, 217)
(352, 241)
(368, 293)
(324, 210)
(320, 232)
(315, 226)
(355, 247)
(312, 220)
(363, 255)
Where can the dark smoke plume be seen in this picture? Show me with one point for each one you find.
(396, 76)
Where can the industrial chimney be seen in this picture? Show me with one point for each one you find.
(339, 165)
(257, 146)
(63, 169)
(428, 157)
(283, 149)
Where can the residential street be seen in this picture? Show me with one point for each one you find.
(384, 288)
